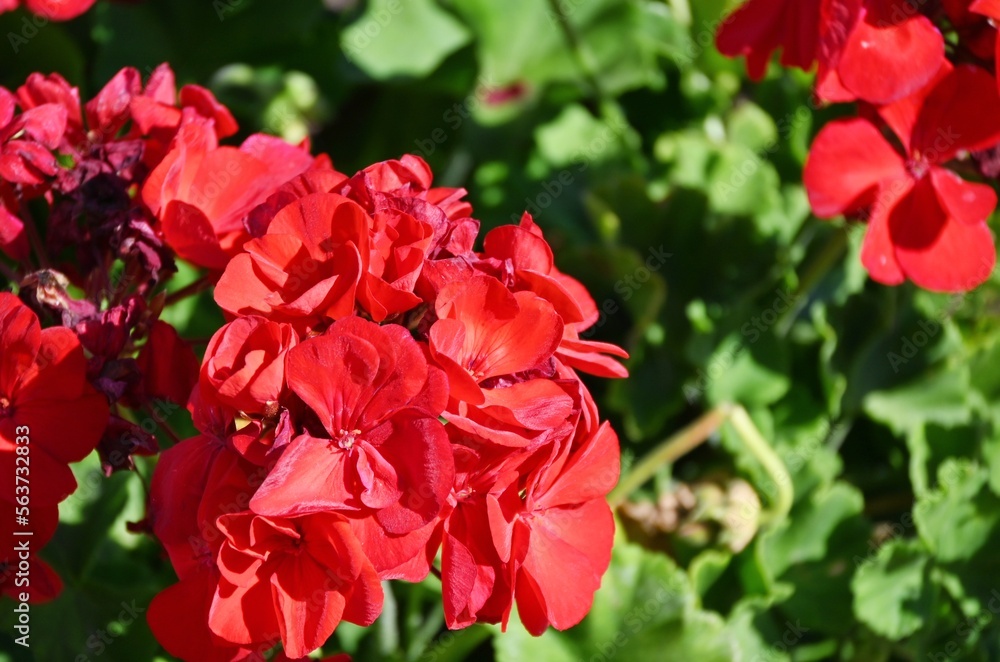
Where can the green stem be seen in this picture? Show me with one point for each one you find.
(753, 440)
(189, 290)
(668, 452)
(829, 255)
(697, 433)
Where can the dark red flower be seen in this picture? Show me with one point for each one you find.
(925, 223)
(27, 140)
(168, 365)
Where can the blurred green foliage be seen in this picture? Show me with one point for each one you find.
(671, 187)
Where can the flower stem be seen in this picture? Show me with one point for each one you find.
(781, 497)
(753, 440)
(668, 452)
(198, 286)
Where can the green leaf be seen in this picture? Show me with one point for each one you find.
(893, 594)
(751, 373)
(402, 38)
(940, 398)
(961, 517)
(645, 609)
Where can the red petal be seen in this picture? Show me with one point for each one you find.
(846, 163)
(961, 113)
(937, 252)
(890, 55)
(964, 201)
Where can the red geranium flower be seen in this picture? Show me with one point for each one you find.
(760, 27)
(306, 269)
(202, 192)
(379, 449)
(497, 348)
(532, 529)
(44, 388)
(867, 49)
(299, 576)
(925, 223)
(245, 364)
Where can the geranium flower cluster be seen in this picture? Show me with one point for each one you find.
(91, 262)
(914, 161)
(384, 399)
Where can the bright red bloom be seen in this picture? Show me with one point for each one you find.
(872, 50)
(498, 348)
(383, 452)
(526, 263)
(926, 224)
(866, 49)
(299, 576)
(532, 529)
(245, 364)
(760, 27)
(306, 269)
(43, 386)
(990, 9)
(202, 192)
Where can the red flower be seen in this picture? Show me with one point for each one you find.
(299, 576)
(178, 618)
(43, 387)
(306, 269)
(760, 27)
(535, 529)
(867, 49)
(873, 50)
(991, 9)
(245, 364)
(202, 192)
(383, 452)
(168, 365)
(925, 223)
(497, 349)
(527, 263)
